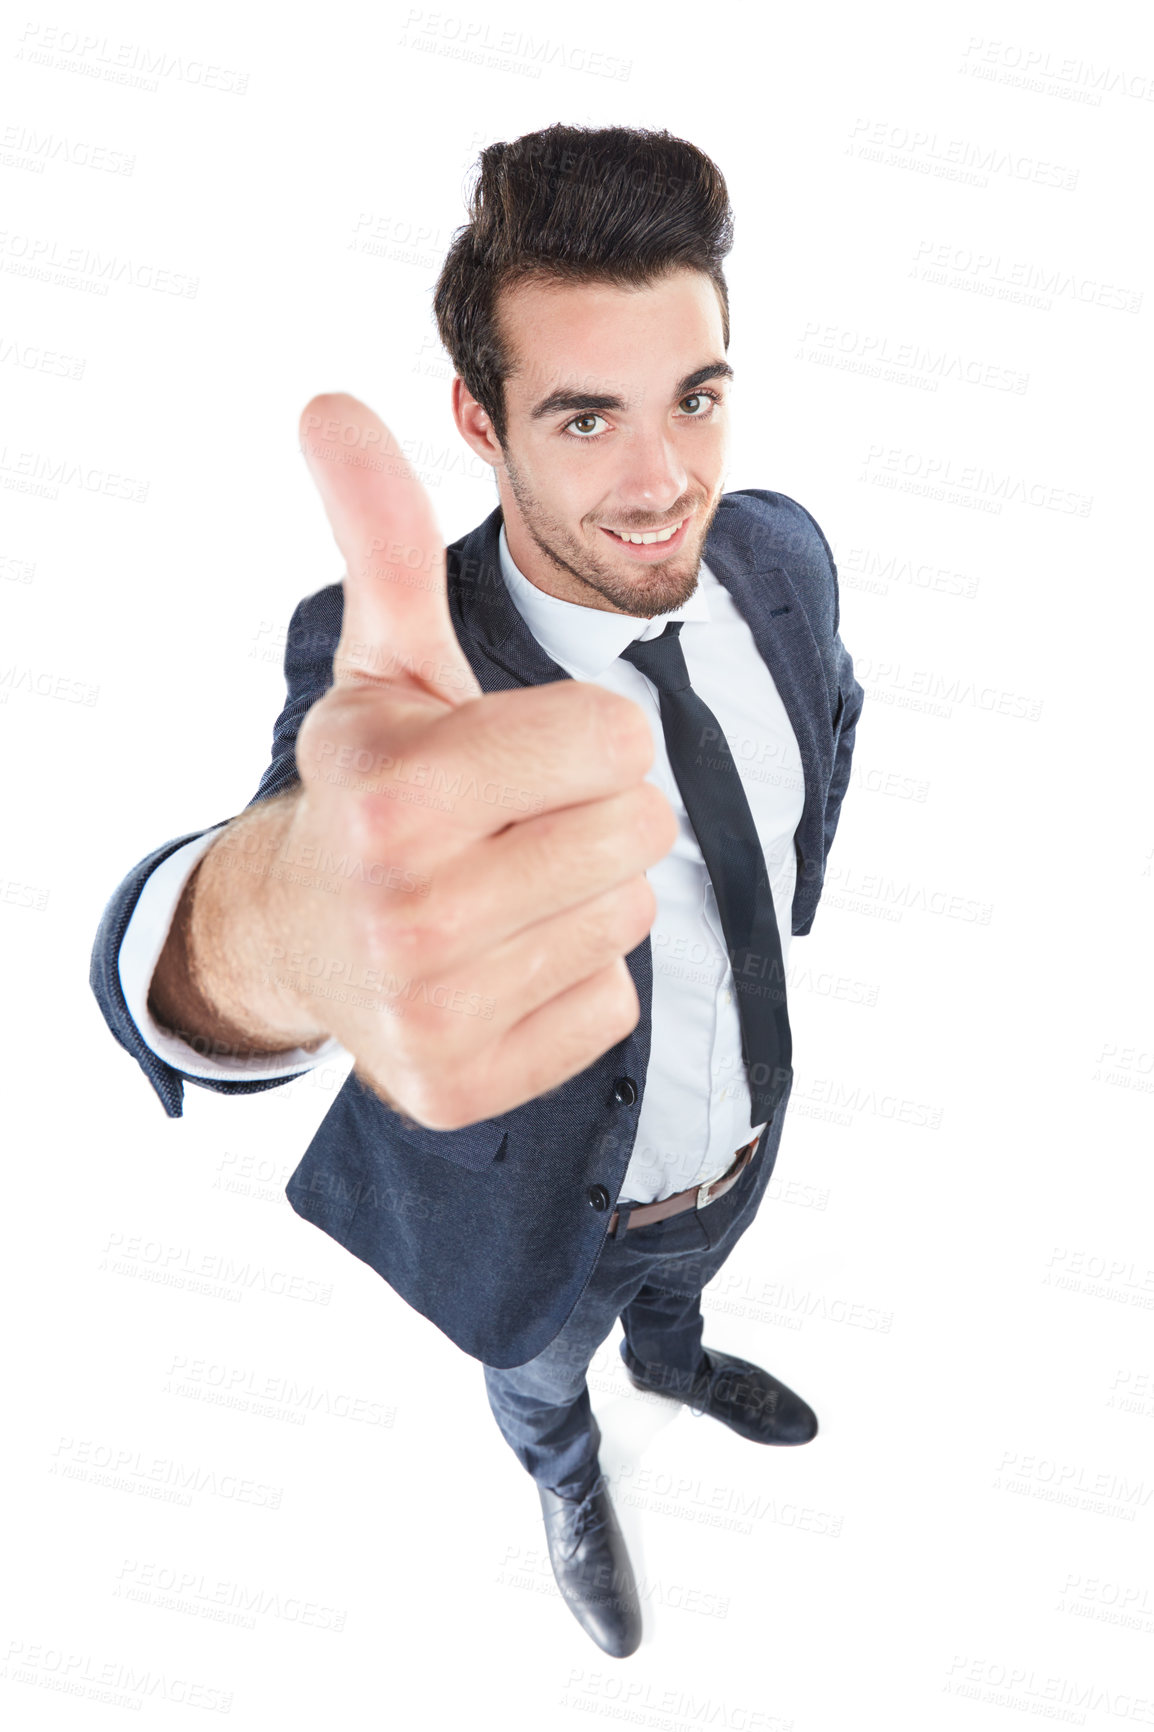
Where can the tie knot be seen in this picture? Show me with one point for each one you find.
(661, 659)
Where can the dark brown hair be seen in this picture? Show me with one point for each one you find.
(610, 204)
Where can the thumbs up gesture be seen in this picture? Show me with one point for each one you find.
(480, 951)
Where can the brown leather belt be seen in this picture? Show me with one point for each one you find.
(696, 1197)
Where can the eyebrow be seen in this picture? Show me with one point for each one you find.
(574, 400)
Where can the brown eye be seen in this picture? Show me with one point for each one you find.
(576, 423)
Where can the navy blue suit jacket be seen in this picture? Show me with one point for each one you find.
(492, 1231)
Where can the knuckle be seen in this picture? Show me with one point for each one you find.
(656, 813)
(374, 823)
(625, 729)
(622, 1008)
(398, 937)
(615, 918)
(317, 733)
(423, 1030)
(437, 1105)
(639, 906)
(374, 930)
(443, 925)
(425, 933)
(531, 854)
(416, 1044)
(330, 737)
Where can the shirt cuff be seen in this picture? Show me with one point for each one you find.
(140, 949)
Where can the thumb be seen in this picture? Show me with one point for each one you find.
(396, 629)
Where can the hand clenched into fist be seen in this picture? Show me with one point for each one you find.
(501, 840)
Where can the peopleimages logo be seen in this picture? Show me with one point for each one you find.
(115, 1683)
(129, 63)
(476, 41)
(48, 259)
(37, 472)
(1023, 282)
(876, 355)
(960, 159)
(25, 147)
(942, 478)
(1039, 69)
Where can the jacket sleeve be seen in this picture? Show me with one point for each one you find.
(312, 637)
(847, 707)
(850, 699)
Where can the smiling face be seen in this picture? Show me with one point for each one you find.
(617, 411)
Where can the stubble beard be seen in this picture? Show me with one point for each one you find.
(646, 593)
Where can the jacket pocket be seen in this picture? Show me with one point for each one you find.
(365, 1118)
(474, 1147)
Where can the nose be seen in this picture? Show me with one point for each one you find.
(653, 476)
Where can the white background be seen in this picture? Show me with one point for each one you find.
(955, 1265)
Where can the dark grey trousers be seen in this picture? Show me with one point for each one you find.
(651, 1277)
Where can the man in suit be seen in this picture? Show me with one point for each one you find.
(539, 823)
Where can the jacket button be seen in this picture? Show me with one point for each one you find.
(598, 1198)
(625, 1091)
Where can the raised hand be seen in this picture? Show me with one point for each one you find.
(501, 840)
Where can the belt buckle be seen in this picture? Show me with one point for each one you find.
(704, 1192)
(707, 1192)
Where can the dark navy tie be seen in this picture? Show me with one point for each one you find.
(723, 823)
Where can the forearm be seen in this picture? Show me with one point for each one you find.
(215, 979)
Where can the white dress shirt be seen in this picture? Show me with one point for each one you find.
(696, 1109)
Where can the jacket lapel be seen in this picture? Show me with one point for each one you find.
(500, 648)
(503, 653)
(750, 568)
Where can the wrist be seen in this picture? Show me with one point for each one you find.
(229, 936)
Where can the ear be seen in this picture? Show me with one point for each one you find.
(473, 424)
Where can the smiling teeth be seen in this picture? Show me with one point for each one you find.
(654, 535)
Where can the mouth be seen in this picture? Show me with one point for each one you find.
(651, 548)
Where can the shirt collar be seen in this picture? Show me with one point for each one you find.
(586, 641)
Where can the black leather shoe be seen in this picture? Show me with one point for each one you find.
(741, 1395)
(592, 1568)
